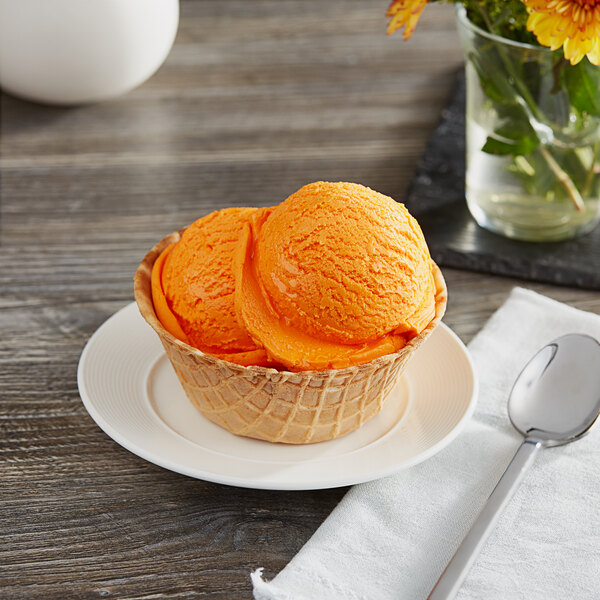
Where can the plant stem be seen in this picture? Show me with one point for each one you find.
(523, 91)
(591, 171)
(564, 179)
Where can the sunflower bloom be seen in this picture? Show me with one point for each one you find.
(572, 24)
(405, 13)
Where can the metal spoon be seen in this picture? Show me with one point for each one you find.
(555, 400)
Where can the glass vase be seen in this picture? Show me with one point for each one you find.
(533, 138)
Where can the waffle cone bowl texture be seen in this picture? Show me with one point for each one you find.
(280, 406)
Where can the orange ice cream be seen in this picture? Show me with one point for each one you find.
(336, 275)
(193, 288)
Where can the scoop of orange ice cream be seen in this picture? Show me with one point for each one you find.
(344, 263)
(163, 312)
(336, 275)
(193, 288)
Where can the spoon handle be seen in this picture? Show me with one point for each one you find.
(451, 579)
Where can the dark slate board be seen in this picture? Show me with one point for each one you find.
(437, 198)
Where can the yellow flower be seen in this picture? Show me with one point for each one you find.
(572, 24)
(405, 13)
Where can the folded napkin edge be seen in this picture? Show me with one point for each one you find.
(266, 590)
(523, 293)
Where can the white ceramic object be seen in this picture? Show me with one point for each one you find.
(130, 389)
(80, 51)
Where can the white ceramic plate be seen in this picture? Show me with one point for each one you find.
(129, 388)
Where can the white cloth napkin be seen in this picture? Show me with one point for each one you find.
(390, 539)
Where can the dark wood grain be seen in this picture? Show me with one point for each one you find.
(256, 99)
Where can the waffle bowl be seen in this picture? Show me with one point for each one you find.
(280, 406)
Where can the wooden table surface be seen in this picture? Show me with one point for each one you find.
(257, 98)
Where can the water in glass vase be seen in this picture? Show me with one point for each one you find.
(498, 198)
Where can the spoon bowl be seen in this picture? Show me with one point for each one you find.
(556, 397)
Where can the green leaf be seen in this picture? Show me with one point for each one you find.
(507, 17)
(532, 74)
(502, 17)
(514, 134)
(521, 147)
(514, 124)
(582, 81)
(496, 88)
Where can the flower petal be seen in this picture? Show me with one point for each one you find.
(572, 24)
